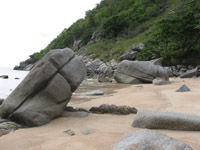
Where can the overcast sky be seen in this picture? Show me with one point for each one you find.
(27, 26)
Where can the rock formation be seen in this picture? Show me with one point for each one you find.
(46, 90)
(139, 72)
(149, 140)
(166, 120)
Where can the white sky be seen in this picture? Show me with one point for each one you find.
(27, 26)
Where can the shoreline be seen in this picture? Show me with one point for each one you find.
(108, 129)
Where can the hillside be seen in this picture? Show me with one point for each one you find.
(169, 29)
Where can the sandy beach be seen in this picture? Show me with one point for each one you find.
(108, 129)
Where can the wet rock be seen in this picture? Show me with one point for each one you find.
(183, 88)
(69, 132)
(7, 126)
(46, 90)
(149, 140)
(4, 76)
(160, 81)
(95, 93)
(166, 120)
(113, 109)
(142, 70)
(87, 131)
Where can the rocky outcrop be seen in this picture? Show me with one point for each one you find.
(113, 109)
(166, 120)
(98, 69)
(129, 55)
(46, 90)
(143, 71)
(191, 73)
(132, 53)
(24, 65)
(149, 140)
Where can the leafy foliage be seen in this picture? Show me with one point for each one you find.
(113, 18)
(176, 37)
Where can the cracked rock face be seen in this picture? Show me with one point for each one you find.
(46, 90)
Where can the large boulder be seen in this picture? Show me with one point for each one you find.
(166, 120)
(46, 90)
(144, 71)
(149, 140)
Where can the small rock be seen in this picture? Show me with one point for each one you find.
(138, 47)
(16, 78)
(113, 109)
(160, 81)
(129, 55)
(87, 131)
(183, 88)
(95, 93)
(139, 87)
(4, 76)
(69, 132)
(149, 140)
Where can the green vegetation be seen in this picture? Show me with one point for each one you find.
(168, 28)
(176, 37)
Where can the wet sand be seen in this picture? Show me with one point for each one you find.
(108, 129)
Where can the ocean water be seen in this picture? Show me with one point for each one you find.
(8, 85)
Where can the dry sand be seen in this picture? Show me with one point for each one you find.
(108, 129)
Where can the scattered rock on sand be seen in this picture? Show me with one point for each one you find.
(87, 131)
(46, 90)
(149, 140)
(69, 132)
(4, 76)
(95, 93)
(166, 120)
(183, 88)
(113, 109)
(160, 81)
(7, 126)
